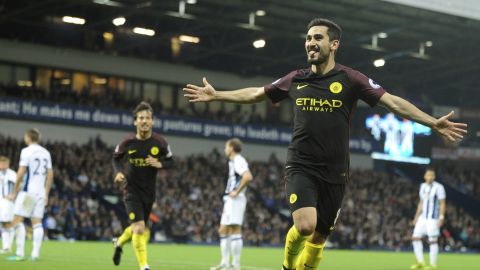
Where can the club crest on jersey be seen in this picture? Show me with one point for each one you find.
(131, 216)
(293, 198)
(154, 150)
(373, 84)
(336, 87)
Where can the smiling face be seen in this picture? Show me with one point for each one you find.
(318, 45)
(143, 122)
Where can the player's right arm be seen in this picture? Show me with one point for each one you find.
(20, 174)
(207, 93)
(418, 213)
(119, 176)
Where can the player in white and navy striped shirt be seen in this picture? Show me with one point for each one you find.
(234, 207)
(429, 218)
(7, 182)
(34, 180)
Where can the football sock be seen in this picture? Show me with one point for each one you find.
(294, 244)
(21, 234)
(125, 237)
(311, 256)
(37, 240)
(140, 248)
(225, 249)
(236, 242)
(433, 253)
(418, 250)
(6, 243)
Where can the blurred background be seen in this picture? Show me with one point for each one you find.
(75, 69)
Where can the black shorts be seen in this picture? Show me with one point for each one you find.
(138, 208)
(304, 190)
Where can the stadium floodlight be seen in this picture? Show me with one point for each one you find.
(382, 35)
(428, 43)
(379, 62)
(73, 20)
(260, 13)
(191, 2)
(119, 21)
(144, 31)
(108, 3)
(259, 43)
(23, 83)
(100, 80)
(190, 39)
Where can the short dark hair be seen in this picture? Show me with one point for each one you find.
(334, 30)
(142, 106)
(236, 144)
(34, 134)
(4, 159)
(429, 168)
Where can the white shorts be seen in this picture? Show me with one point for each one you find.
(29, 205)
(428, 227)
(233, 210)
(6, 210)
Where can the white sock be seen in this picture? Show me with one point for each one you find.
(6, 236)
(20, 234)
(225, 249)
(418, 250)
(433, 253)
(37, 239)
(237, 244)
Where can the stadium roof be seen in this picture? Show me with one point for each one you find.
(227, 29)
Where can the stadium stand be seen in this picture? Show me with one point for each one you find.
(84, 202)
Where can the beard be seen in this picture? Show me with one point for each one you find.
(322, 58)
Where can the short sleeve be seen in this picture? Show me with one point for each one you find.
(23, 158)
(120, 148)
(367, 89)
(240, 166)
(278, 90)
(49, 163)
(441, 193)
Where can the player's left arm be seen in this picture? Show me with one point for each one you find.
(450, 131)
(20, 174)
(48, 184)
(441, 217)
(246, 179)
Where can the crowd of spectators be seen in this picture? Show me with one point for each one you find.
(86, 205)
(462, 179)
(110, 98)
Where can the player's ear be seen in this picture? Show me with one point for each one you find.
(334, 44)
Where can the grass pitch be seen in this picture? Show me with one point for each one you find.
(98, 255)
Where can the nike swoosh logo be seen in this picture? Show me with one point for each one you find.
(301, 85)
(131, 151)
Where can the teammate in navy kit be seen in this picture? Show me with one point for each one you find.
(136, 162)
(324, 97)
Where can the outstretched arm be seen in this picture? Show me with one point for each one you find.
(450, 131)
(207, 93)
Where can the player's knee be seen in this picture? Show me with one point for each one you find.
(305, 228)
(138, 228)
(432, 240)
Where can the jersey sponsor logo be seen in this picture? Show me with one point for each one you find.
(138, 162)
(154, 150)
(301, 85)
(373, 84)
(131, 151)
(318, 104)
(336, 87)
(131, 216)
(293, 198)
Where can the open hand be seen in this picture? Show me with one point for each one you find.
(199, 94)
(450, 131)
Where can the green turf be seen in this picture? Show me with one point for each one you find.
(93, 255)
